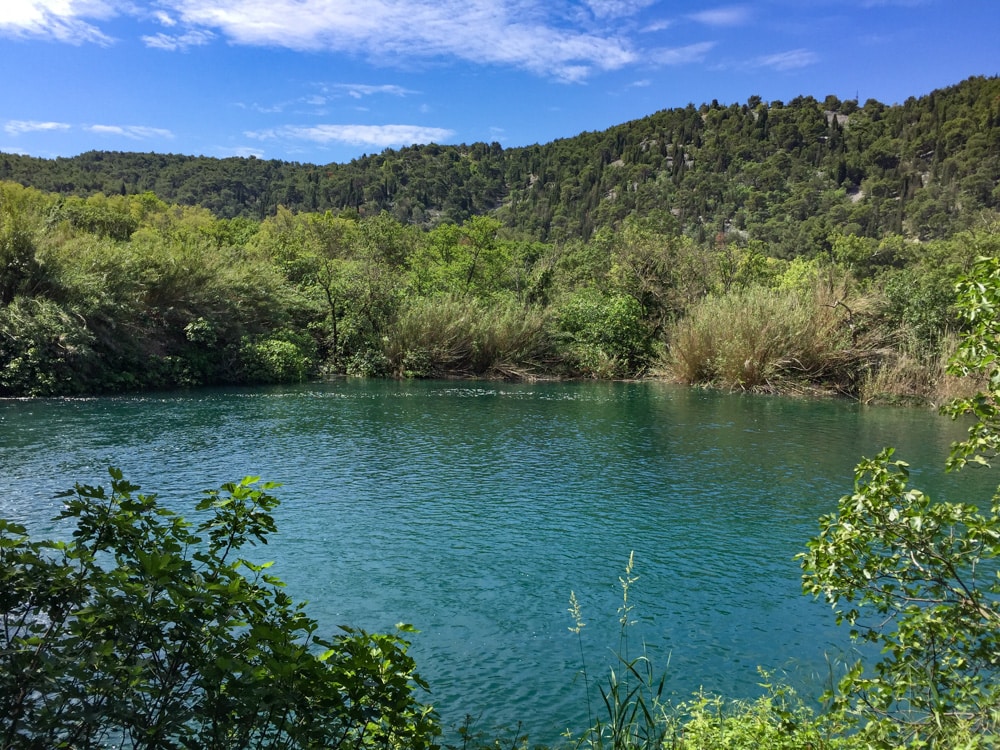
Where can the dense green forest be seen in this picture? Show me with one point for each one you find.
(767, 246)
(788, 174)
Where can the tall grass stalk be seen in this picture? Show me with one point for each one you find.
(578, 625)
(634, 712)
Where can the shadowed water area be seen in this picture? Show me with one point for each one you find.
(471, 510)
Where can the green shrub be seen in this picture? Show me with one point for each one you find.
(100, 216)
(368, 363)
(605, 335)
(21, 219)
(778, 720)
(274, 360)
(45, 350)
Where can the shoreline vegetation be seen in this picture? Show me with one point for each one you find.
(804, 248)
(147, 631)
(183, 299)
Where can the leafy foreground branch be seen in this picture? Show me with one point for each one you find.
(142, 632)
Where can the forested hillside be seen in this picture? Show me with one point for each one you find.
(789, 174)
(765, 246)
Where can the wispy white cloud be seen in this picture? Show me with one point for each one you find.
(533, 35)
(324, 94)
(181, 42)
(244, 151)
(358, 90)
(17, 127)
(164, 18)
(264, 109)
(135, 132)
(790, 60)
(382, 136)
(875, 40)
(736, 15)
(515, 33)
(690, 53)
(658, 25)
(617, 8)
(61, 20)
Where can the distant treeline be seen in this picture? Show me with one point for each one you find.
(790, 175)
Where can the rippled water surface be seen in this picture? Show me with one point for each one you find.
(471, 510)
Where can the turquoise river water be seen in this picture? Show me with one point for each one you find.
(471, 510)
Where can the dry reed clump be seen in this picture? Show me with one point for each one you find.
(918, 378)
(763, 339)
(464, 337)
(430, 338)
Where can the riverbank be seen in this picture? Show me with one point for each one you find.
(116, 294)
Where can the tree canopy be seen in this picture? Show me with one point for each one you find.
(786, 173)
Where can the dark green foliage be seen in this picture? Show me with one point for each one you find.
(143, 631)
(45, 350)
(789, 174)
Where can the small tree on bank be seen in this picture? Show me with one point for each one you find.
(922, 579)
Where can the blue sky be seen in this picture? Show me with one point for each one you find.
(323, 81)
